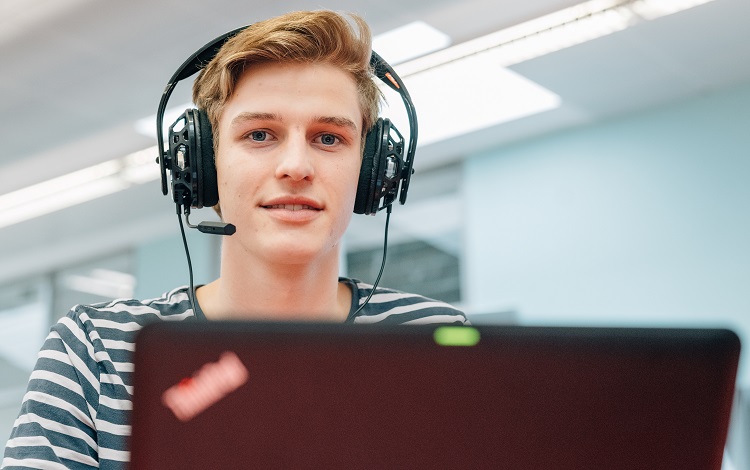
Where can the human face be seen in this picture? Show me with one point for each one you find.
(288, 160)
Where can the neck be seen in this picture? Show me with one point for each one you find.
(262, 290)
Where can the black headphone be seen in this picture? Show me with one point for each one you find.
(190, 155)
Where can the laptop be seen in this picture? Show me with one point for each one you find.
(325, 396)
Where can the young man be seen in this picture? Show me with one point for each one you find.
(290, 100)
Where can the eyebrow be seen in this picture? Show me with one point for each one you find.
(338, 121)
(250, 116)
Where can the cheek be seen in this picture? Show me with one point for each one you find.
(350, 174)
(348, 193)
(233, 187)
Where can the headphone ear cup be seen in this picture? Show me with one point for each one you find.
(366, 201)
(208, 190)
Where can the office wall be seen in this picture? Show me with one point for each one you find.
(161, 265)
(642, 220)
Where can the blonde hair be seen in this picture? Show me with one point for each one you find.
(298, 37)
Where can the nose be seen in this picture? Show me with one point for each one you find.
(296, 160)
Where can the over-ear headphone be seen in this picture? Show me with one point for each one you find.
(189, 156)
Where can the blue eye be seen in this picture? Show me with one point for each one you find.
(328, 139)
(259, 136)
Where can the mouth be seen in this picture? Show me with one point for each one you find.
(292, 207)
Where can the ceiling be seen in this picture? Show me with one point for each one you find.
(76, 78)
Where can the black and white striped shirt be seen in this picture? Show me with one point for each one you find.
(75, 413)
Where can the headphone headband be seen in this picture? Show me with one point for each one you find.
(190, 67)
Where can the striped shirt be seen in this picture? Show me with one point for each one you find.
(75, 413)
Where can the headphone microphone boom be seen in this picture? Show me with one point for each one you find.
(387, 164)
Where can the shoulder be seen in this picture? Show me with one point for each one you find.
(396, 307)
(172, 305)
(120, 319)
(82, 384)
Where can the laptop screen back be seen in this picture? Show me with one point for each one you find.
(243, 395)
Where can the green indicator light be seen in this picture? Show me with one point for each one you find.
(456, 336)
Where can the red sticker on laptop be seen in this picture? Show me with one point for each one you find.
(212, 382)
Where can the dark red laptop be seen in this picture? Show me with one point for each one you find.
(314, 396)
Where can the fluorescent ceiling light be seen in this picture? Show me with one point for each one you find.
(555, 31)
(466, 87)
(466, 96)
(409, 41)
(78, 187)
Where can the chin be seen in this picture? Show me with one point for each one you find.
(297, 251)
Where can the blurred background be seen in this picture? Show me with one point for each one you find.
(579, 163)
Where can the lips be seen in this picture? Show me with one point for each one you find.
(291, 207)
(292, 204)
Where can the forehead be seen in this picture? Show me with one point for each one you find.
(294, 90)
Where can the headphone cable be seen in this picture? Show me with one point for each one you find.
(382, 264)
(191, 292)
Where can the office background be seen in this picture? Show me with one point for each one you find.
(598, 181)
